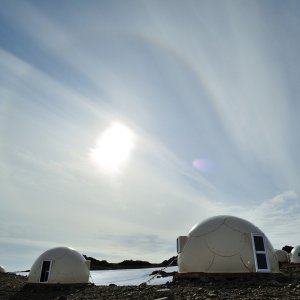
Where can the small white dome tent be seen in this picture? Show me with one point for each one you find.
(282, 256)
(226, 244)
(295, 255)
(60, 265)
(2, 270)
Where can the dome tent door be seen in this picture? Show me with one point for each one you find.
(45, 271)
(260, 254)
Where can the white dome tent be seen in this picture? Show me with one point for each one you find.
(60, 265)
(295, 255)
(2, 270)
(226, 244)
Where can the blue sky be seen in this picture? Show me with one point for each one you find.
(209, 91)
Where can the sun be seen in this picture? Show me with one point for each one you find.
(113, 148)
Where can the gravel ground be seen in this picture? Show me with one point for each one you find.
(269, 286)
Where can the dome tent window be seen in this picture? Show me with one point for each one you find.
(45, 272)
(261, 257)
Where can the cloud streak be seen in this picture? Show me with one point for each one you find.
(191, 81)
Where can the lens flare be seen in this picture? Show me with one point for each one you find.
(203, 165)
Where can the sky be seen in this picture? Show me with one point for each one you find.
(125, 123)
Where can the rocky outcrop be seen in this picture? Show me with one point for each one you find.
(134, 264)
(99, 264)
(288, 249)
(170, 262)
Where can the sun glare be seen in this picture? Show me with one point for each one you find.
(113, 147)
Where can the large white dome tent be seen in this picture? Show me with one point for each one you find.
(295, 255)
(226, 244)
(60, 265)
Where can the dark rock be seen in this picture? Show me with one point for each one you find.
(135, 263)
(162, 273)
(212, 295)
(275, 283)
(165, 293)
(170, 262)
(62, 298)
(288, 249)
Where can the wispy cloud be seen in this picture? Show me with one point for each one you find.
(191, 81)
(278, 217)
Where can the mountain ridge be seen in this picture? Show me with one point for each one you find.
(128, 264)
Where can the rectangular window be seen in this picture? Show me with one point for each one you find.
(260, 253)
(45, 272)
(259, 243)
(261, 261)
